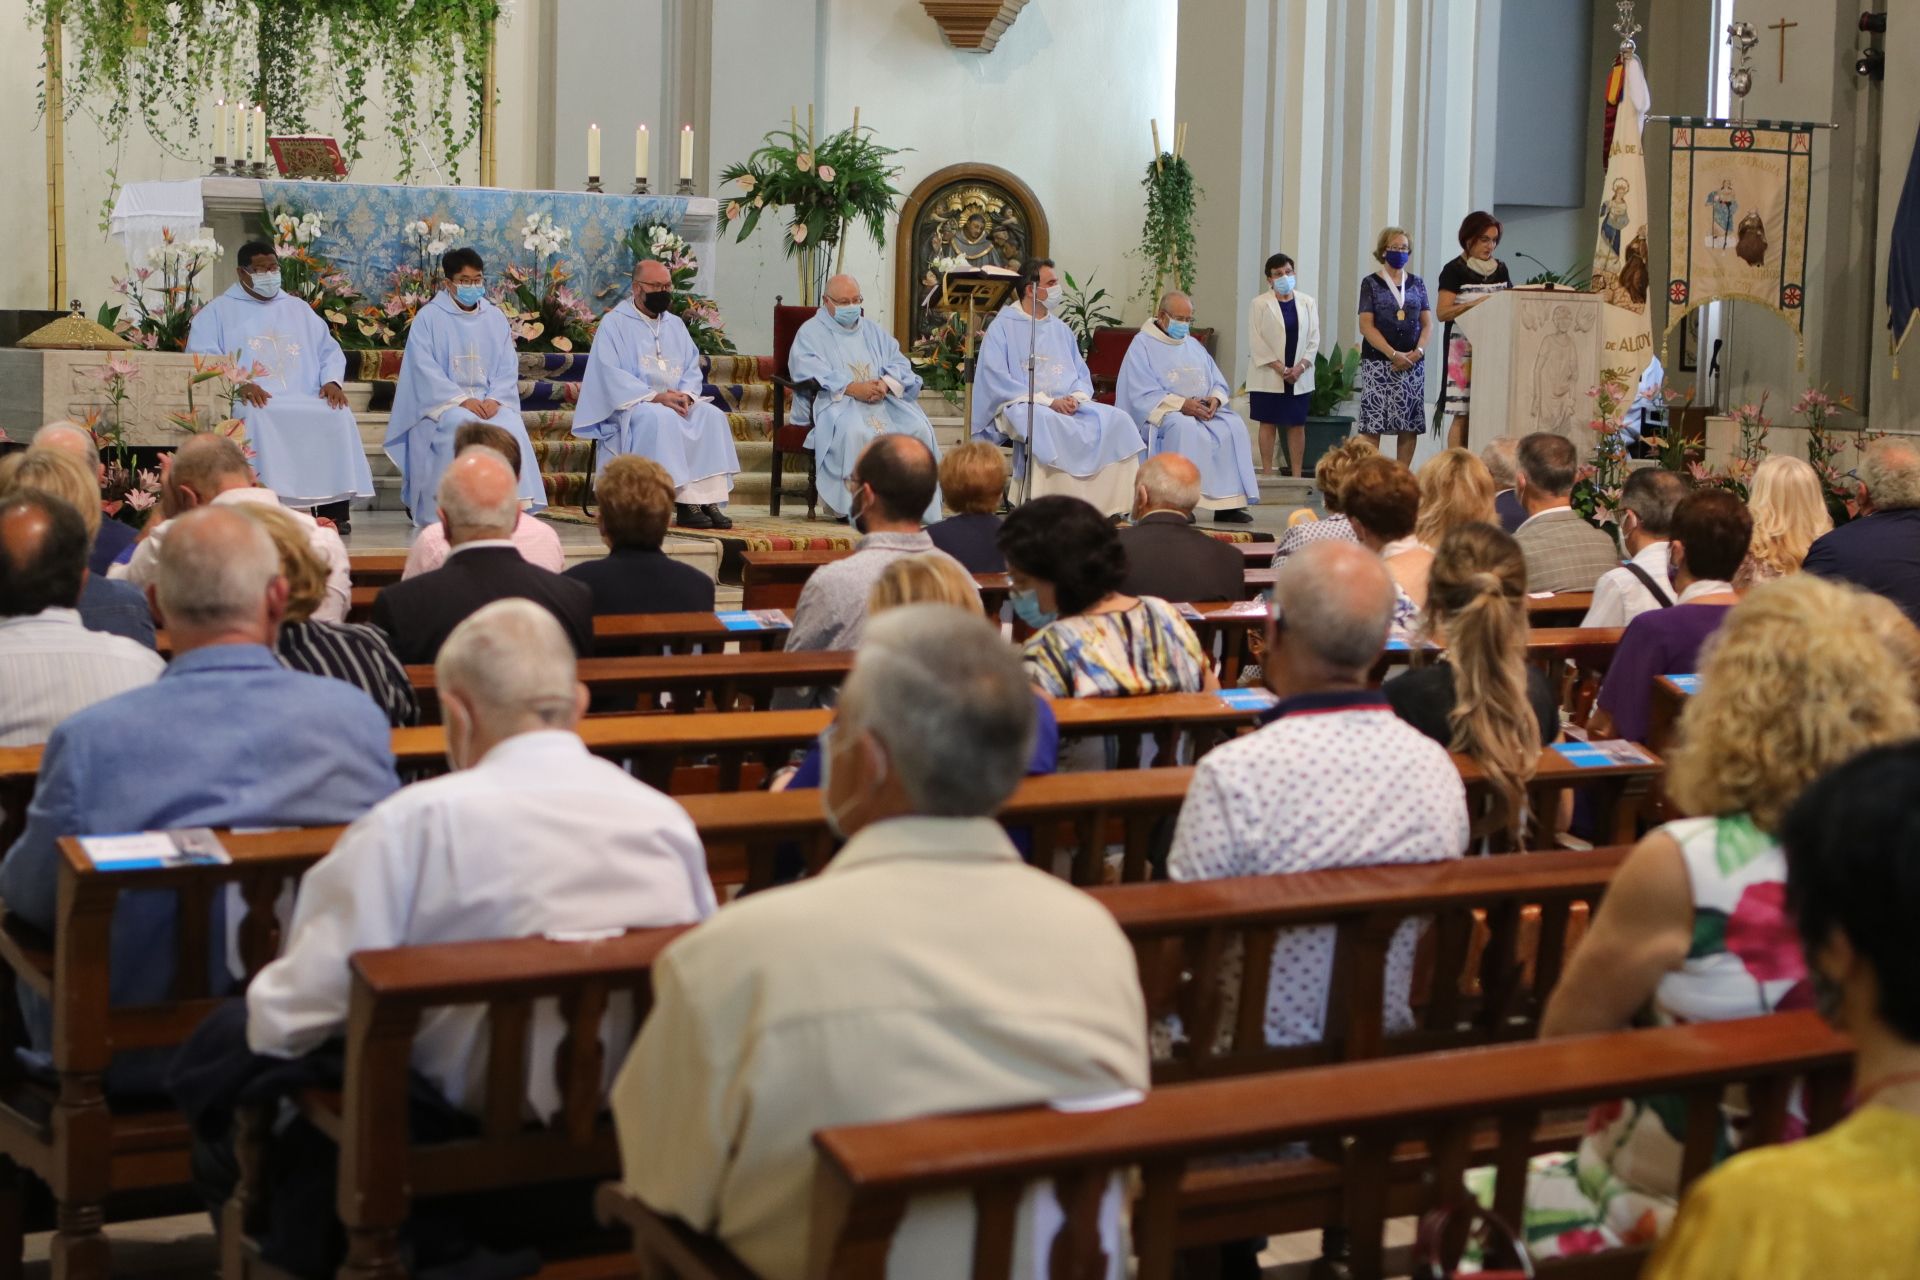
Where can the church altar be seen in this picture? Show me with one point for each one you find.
(365, 225)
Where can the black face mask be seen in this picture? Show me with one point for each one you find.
(656, 301)
(1828, 996)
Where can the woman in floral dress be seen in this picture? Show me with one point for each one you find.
(1396, 323)
(1804, 674)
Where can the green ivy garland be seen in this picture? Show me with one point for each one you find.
(1166, 237)
(162, 59)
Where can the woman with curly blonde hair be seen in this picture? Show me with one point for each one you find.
(1456, 489)
(1789, 512)
(1330, 476)
(1803, 675)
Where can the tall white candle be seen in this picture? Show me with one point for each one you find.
(593, 151)
(220, 127)
(640, 150)
(259, 133)
(686, 152)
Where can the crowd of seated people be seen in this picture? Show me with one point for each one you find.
(927, 968)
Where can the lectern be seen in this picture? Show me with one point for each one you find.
(1536, 354)
(973, 294)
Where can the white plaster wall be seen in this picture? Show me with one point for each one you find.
(93, 259)
(1063, 102)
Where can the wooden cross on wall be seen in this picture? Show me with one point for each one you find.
(1781, 26)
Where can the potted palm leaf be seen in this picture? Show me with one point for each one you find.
(1336, 378)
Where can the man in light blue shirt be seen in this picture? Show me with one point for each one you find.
(226, 737)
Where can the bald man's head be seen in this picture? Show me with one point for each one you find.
(71, 438)
(651, 278)
(1333, 602)
(1175, 305)
(507, 669)
(219, 580)
(843, 291)
(43, 554)
(1167, 482)
(902, 474)
(204, 467)
(479, 497)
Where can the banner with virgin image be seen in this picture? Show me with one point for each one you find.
(1741, 196)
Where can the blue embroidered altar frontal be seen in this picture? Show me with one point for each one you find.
(365, 232)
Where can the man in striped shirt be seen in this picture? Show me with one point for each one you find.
(50, 664)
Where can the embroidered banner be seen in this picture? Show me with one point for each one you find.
(1741, 201)
(1621, 272)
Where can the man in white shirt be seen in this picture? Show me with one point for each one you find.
(1647, 501)
(1334, 779)
(530, 834)
(926, 970)
(211, 469)
(50, 664)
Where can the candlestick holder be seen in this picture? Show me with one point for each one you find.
(640, 187)
(593, 185)
(220, 169)
(257, 170)
(685, 188)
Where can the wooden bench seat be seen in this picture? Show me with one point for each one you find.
(394, 989)
(376, 569)
(1435, 1115)
(693, 682)
(774, 579)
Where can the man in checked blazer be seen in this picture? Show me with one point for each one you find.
(1564, 552)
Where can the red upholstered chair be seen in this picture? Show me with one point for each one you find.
(789, 438)
(1104, 357)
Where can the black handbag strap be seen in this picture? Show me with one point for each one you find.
(1646, 580)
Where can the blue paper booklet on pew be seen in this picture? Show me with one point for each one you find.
(145, 850)
(1248, 699)
(755, 620)
(1603, 753)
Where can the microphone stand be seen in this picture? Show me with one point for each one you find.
(1033, 364)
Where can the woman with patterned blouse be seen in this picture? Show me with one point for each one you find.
(1396, 323)
(1804, 674)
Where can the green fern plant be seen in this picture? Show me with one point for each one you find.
(1167, 245)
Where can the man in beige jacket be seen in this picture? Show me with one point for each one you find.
(926, 970)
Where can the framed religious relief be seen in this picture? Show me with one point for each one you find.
(965, 215)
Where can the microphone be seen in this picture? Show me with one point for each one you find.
(1536, 262)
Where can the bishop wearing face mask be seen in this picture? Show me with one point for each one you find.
(307, 446)
(1173, 391)
(641, 394)
(460, 367)
(867, 388)
(1084, 449)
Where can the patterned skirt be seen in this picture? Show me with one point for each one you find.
(1392, 401)
(1459, 375)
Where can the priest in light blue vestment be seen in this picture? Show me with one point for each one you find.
(641, 394)
(305, 440)
(1174, 392)
(867, 388)
(1081, 448)
(460, 367)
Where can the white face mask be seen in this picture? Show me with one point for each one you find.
(1051, 298)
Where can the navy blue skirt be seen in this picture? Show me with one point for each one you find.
(1279, 408)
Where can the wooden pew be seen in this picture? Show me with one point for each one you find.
(374, 569)
(637, 634)
(1411, 1128)
(1562, 609)
(773, 579)
(695, 682)
(65, 1132)
(392, 990)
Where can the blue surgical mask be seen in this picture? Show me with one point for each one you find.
(1397, 258)
(848, 315)
(1283, 284)
(1026, 606)
(266, 283)
(1179, 329)
(469, 295)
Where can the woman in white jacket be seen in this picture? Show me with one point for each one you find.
(1283, 330)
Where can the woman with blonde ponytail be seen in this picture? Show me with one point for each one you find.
(1482, 699)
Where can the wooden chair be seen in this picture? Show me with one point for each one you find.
(786, 437)
(84, 1145)
(1105, 355)
(1411, 1127)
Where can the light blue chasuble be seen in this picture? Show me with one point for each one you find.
(306, 451)
(633, 358)
(1081, 443)
(1158, 374)
(836, 357)
(455, 355)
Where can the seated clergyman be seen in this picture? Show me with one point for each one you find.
(1176, 395)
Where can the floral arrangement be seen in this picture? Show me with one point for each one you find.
(160, 299)
(819, 189)
(128, 495)
(658, 242)
(307, 274)
(1753, 424)
(232, 376)
(1596, 488)
(543, 312)
(1843, 489)
(1674, 450)
(409, 288)
(940, 358)
(115, 378)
